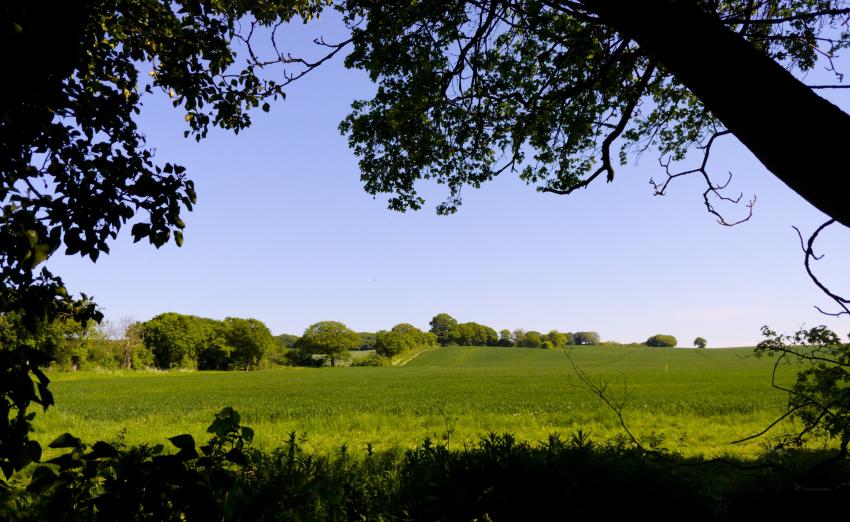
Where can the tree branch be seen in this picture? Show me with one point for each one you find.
(785, 19)
(625, 117)
(809, 255)
(712, 188)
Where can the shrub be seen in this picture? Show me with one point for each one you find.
(402, 338)
(662, 341)
(700, 342)
(373, 359)
(586, 338)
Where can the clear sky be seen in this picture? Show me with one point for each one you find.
(283, 232)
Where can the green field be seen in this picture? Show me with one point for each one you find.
(698, 400)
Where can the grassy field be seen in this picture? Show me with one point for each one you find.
(697, 400)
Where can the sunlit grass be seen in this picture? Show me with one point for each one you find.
(697, 400)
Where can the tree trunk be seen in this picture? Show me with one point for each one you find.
(800, 137)
(128, 360)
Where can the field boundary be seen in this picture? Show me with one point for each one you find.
(414, 356)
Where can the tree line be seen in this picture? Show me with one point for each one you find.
(180, 341)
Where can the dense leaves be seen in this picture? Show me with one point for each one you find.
(441, 326)
(820, 396)
(468, 90)
(190, 342)
(401, 339)
(585, 338)
(108, 481)
(495, 478)
(331, 339)
(662, 341)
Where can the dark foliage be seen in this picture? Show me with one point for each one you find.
(498, 478)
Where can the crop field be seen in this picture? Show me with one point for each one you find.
(692, 401)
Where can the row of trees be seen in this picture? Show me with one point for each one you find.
(172, 341)
(449, 332)
(332, 341)
(72, 345)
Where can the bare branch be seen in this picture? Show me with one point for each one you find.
(712, 188)
(785, 19)
(809, 255)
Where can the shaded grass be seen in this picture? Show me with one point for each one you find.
(694, 401)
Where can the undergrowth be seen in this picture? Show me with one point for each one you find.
(497, 478)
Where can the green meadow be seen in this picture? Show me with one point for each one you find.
(692, 401)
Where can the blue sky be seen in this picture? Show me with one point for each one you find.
(284, 233)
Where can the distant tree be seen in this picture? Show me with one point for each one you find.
(367, 340)
(441, 326)
(473, 334)
(518, 337)
(402, 338)
(329, 338)
(556, 338)
(490, 335)
(505, 338)
(700, 342)
(126, 333)
(178, 341)
(71, 341)
(533, 339)
(286, 340)
(586, 338)
(404, 328)
(249, 341)
(662, 341)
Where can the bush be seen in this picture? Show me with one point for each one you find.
(113, 482)
(662, 341)
(403, 338)
(700, 342)
(585, 338)
(373, 359)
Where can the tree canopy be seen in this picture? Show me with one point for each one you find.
(468, 90)
(662, 341)
(441, 326)
(586, 338)
(329, 338)
(402, 338)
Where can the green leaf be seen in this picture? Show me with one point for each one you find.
(236, 456)
(42, 478)
(183, 442)
(101, 449)
(34, 450)
(66, 440)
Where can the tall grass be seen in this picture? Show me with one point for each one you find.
(694, 401)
